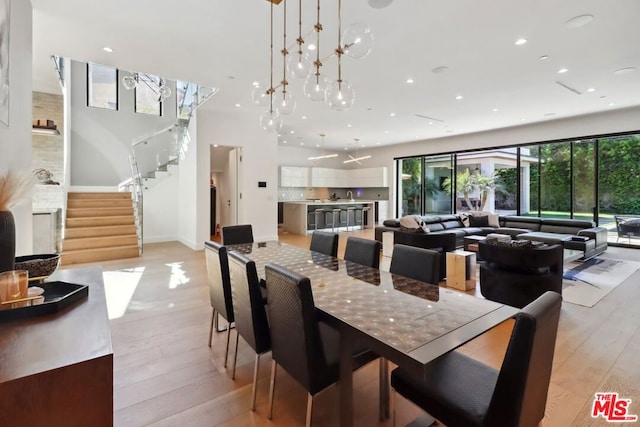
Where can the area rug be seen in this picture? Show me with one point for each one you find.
(588, 282)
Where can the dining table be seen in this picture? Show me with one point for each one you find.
(406, 321)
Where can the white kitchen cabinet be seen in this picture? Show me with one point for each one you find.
(294, 176)
(348, 178)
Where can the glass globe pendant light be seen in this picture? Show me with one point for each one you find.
(130, 82)
(357, 41)
(299, 65)
(260, 95)
(271, 121)
(315, 86)
(340, 95)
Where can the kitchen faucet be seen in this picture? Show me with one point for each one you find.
(350, 193)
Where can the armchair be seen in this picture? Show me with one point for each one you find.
(518, 275)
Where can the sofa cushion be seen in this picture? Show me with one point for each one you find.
(431, 219)
(540, 236)
(478, 220)
(529, 223)
(434, 227)
(391, 222)
(452, 223)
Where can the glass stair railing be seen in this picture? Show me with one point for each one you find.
(153, 156)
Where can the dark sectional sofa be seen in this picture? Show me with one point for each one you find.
(447, 232)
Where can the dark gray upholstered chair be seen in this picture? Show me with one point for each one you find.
(237, 234)
(325, 243)
(518, 275)
(416, 263)
(460, 391)
(305, 347)
(219, 289)
(249, 311)
(363, 251)
(441, 243)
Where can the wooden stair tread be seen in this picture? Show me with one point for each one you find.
(102, 195)
(75, 251)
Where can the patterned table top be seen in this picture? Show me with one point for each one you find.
(402, 313)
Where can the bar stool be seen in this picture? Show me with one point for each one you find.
(351, 210)
(317, 214)
(334, 213)
(363, 211)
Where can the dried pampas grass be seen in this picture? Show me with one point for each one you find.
(14, 187)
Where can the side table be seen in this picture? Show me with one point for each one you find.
(461, 270)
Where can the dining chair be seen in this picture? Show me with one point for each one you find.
(305, 347)
(237, 234)
(460, 391)
(363, 251)
(249, 312)
(416, 263)
(325, 243)
(219, 289)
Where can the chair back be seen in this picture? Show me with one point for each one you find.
(218, 278)
(295, 334)
(325, 243)
(520, 395)
(416, 263)
(363, 251)
(248, 306)
(237, 234)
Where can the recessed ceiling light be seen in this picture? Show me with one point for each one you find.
(377, 143)
(291, 131)
(543, 57)
(256, 84)
(591, 89)
(311, 46)
(345, 148)
(349, 125)
(237, 105)
(386, 131)
(562, 70)
(409, 80)
(611, 104)
(215, 145)
(392, 115)
(625, 70)
(284, 142)
(459, 97)
(302, 143)
(578, 21)
(107, 49)
(520, 42)
(523, 119)
(304, 117)
(495, 110)
(440, 70)
(317, 145)
(430, 123)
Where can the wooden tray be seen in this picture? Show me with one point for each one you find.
(57, 296)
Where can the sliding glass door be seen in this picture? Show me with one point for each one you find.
(410, 190)
(438, 170)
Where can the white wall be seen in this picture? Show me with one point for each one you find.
(15, 140)
(260, 163)
(101, 139)
(160, 220)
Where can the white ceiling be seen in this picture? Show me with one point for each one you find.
(225, 44)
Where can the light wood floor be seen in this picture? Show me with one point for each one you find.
(166, 375)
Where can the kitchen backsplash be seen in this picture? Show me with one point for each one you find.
(302, 193)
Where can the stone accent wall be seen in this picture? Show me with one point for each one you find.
(48, 152)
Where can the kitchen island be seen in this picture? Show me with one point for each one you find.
(299, 216)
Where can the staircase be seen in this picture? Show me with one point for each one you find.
(99, 227)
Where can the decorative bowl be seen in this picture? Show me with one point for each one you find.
(42, 265)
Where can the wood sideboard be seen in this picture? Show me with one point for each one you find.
(57, 370)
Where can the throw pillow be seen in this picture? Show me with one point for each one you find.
(493, 220)
(464, 218)
(413, 223)
(478, 221)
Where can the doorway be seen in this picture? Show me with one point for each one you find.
(225, 196)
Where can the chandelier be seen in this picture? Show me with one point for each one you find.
(157, 85)
(357, 158)
(355, 41)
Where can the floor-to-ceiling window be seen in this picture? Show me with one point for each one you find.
(410, 186)
(438, 170)
(594, 179)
